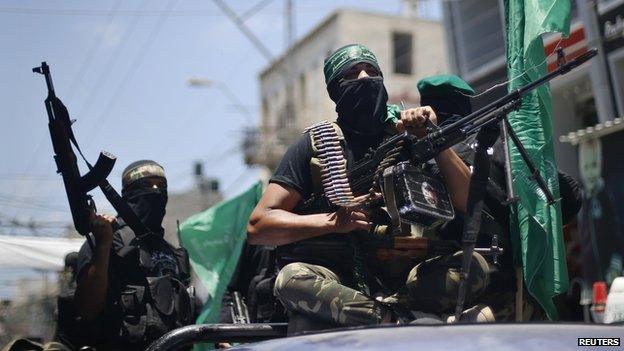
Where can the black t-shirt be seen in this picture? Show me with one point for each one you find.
(333, 251)
(294, 169)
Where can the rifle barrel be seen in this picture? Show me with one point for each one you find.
(520, 92)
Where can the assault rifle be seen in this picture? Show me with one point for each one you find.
(78, 186)
(365, 175)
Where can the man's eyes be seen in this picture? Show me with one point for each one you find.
(356, 73)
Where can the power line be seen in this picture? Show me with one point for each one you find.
(145, 13)
(132, 68)
(256, 8)
(244, 29)
(112, 59)
(111, 62)
(77, 78)
(95, 45)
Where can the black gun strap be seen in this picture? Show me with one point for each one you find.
(123, 210)
(476, 194)
(63, 116)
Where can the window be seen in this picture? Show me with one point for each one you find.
(402, 53)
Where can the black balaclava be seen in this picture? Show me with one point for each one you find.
(360, 104)
(147, 202)
(449, 108)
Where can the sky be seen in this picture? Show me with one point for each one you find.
(121, 68)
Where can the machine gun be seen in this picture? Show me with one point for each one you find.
(78, 186)
(413, 196)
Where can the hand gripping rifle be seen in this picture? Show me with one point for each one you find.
(78, 186)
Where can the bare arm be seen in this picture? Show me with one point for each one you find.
(454, 171)
(92, 283)
(456, 177)
(272, 222)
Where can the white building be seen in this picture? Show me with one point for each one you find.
(407, 49)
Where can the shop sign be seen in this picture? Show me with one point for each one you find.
(612, 28)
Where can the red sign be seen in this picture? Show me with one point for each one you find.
(573, 46)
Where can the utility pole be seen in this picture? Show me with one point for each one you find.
(289, 34)
(599, 71)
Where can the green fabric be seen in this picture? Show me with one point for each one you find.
(343, 58)
(393, 116)
(443, 85)
(536, 227)
(214, 240)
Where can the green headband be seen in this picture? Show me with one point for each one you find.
(345, 57)
(139, 170)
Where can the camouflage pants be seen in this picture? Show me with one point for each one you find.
(504, 307)
(431, 286)
(317, 292)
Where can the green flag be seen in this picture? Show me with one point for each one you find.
(214, 240)
(536, 226)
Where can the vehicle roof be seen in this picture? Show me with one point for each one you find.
(512, 336)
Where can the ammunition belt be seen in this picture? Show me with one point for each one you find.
(333, 164)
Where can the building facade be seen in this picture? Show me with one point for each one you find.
(182, 205)
(292, 89)
(587, 109)
(475, 38)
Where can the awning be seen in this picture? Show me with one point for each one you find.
(597, 131)
(42, 253)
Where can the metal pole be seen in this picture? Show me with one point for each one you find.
(599, 71)
(511, 196)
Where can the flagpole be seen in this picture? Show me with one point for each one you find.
(511, 195)
(519, 294)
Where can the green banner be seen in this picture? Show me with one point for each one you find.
(214, 240)
(536, 227)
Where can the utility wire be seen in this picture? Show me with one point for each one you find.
(95, 45)
(81, 71)
(110, 63)
(145, 13)
(105, 73)
(255, 9)
(134, 66)
(244, 29)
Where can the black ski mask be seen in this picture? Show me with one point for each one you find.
(149, 204)
(361, 104)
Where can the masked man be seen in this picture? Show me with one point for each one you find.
(322, 273)
(133, 290)
(450, 97)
